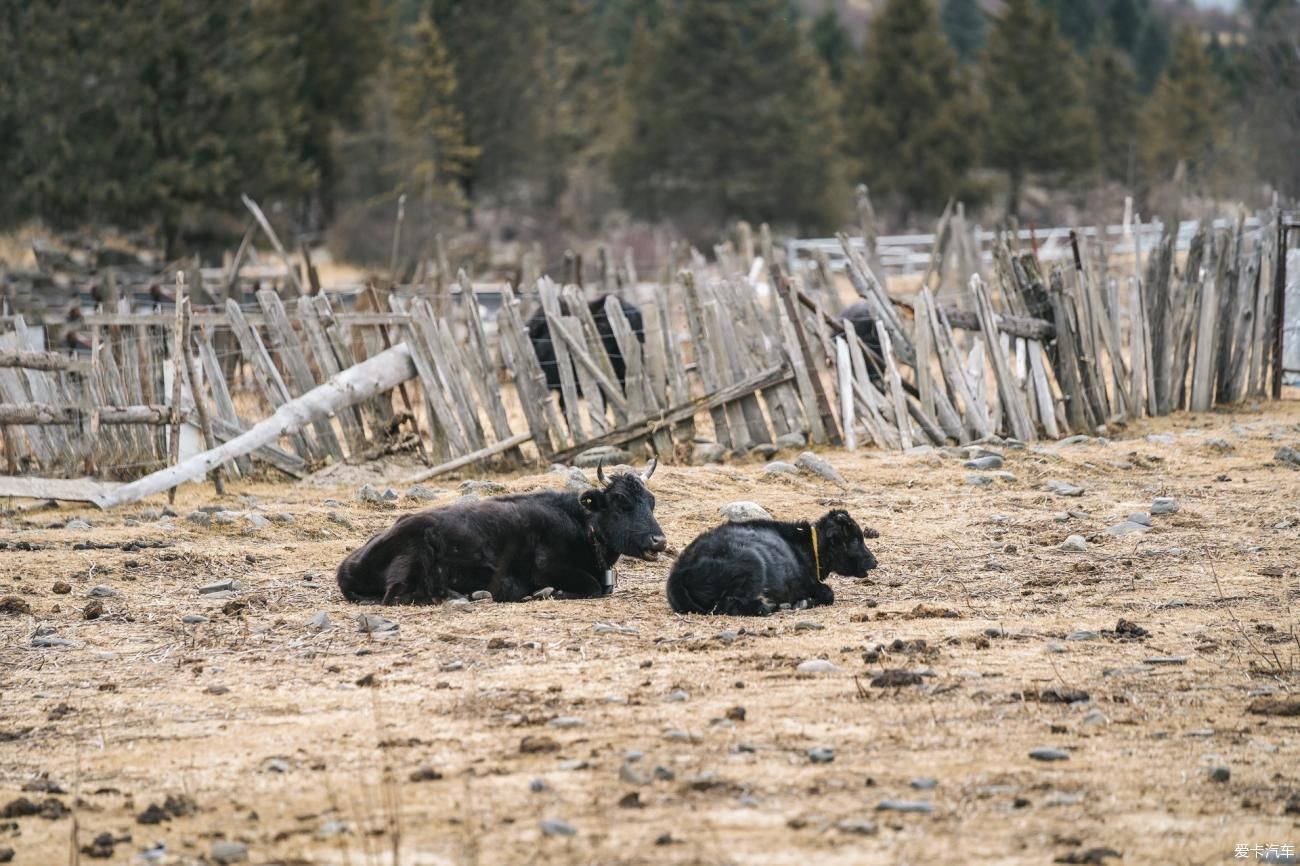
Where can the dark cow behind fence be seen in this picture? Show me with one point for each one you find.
(754, 567)
(539, 333)
(864, 323)
(511, 546)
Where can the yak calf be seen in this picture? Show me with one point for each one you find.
(752, 568)
(511, 546)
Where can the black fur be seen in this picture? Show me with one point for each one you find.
(865, 325)
(539, 333)
(752, 568)
(510, 546)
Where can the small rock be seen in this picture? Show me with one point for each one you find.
(915, 806)
(1220, 774)
(1075, 440)
(566, 722)
(815, 465)
(821, 754)
(1140, 517)
(256, 521)
(421, 493)
(152, 815)
(677, 735)
(1005, 477)
(218, 690)
(199, 518)
(224, 518)
(740, 511)
(389, 495)
(985, 463)
(225, 851)
(1287, 456)
(275, 765)
(61, 587)
(94, 609)
(1160, 438)
(48, 641)
(458, 605)
(284, 518)
(1048, 754)
(676, 696)
(1164, 505)
(194, 619)
(791, 440)
(817, 666)
(556, 827)
(452, 666)
(893, 679)
(482, 488)
(978, 480)
(1083, 635)
(1165, 660)
(925, 783)
(664, 774)
(856, 826)
(1093, 719)
(320, 622)
(335, 517)
(368, 493)
(372, 623)
(537, 786)
(704, 453)
(1074, 544)
(101, 591)
(227, 585)
(481, 595)
(76, 523)
(630, 775)
(1128, 527)
(778, 467)
(808, 625)
(1062, 488)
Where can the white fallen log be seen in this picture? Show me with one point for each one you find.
(383, 372)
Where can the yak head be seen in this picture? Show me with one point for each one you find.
(841, 545)
(622, 514)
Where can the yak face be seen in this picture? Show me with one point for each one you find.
(622, 515)
(843, 550)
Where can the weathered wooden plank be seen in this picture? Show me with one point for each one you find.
(1011, 398)
(265, 373)
(224, 407)
(844, 376)
(820, 405)
(62, 489)
(284, 340)
(1042, 390)
(530, 382)
(895, 386)
(550, 299)
(483, 373)
(349, 419)
(449, 440)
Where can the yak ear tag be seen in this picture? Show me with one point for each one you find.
(607, 582)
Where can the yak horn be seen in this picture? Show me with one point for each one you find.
(600, 470)
(650, 469)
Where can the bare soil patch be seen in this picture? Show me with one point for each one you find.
(486, 736)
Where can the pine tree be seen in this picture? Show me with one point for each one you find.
(909, 117)
(733, 116)
(1126, 19)
(1078, 20)
(1038, 119)
(1184, 122)
(963, 23)
(1151, 51)
(424, 93)
(832, 42)
(1271, 72)
(498, 48)
(1113, 96)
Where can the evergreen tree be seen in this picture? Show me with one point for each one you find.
(1151, 51)
(1271, 73)
(909, 116)
(424, 93)
(1113, 96)
(499, 48)
(1184, 122)
(832, 42)
(1078, 20)
(963, 24)
(732, 116)
(1126, 19)
(1038, 118)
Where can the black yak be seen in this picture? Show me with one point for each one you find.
(539, 334)
(754, 567)
(511, 546)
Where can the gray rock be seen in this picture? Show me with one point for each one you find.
(389, 495)
(224, 851)
(556, 827)
(227, 585)
(1160, 439)
(367, 493)
(778, 467)
(194, 619)
(978, 480)
(808, 625)
(1075, 440)
(791, 440)
(335, 517)
(1083, 635)
(1165, 660)
(1222, 446)
(1063, 488)
(817, 666)
(742, 510)
(629, 774)
(1288, 456)
(856, 826)
(1220, 774)
(821, 754)
(664, 774)
(611, 628)
(452, 666)
(481, 595)
(256, 521)
(677, 735)
(199, 518)
(101, 591)
(373, 623)
(1164, 505)
(537, 786)
(1093, 719)
(1128, 527)
(566, 722)
(275, 765)
(46, 641)
(224, 518)
(606, 455)
(283, 518)
(423, 494)
(320, 622)
(577, 480)
(76, 523)
(765, 450)
(726, 636)
(1061, 517)
(677, 696)
(704, 453)
(1044, 753)
(925, 783)
(985, 463)
(1055, 646)
(458, 605)
(915, 806)
(482, 488)
(1074, 544)
(1006, 477)
(1140, 517)
(815, 465)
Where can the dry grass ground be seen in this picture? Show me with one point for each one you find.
(273, 732)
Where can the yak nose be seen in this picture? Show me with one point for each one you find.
(658, 542)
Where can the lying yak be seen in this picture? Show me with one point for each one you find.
(511, 546)
(539, 334)
(752, 568)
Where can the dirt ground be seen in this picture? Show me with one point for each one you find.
(302, 744)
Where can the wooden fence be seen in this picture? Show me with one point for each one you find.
(726, 354)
